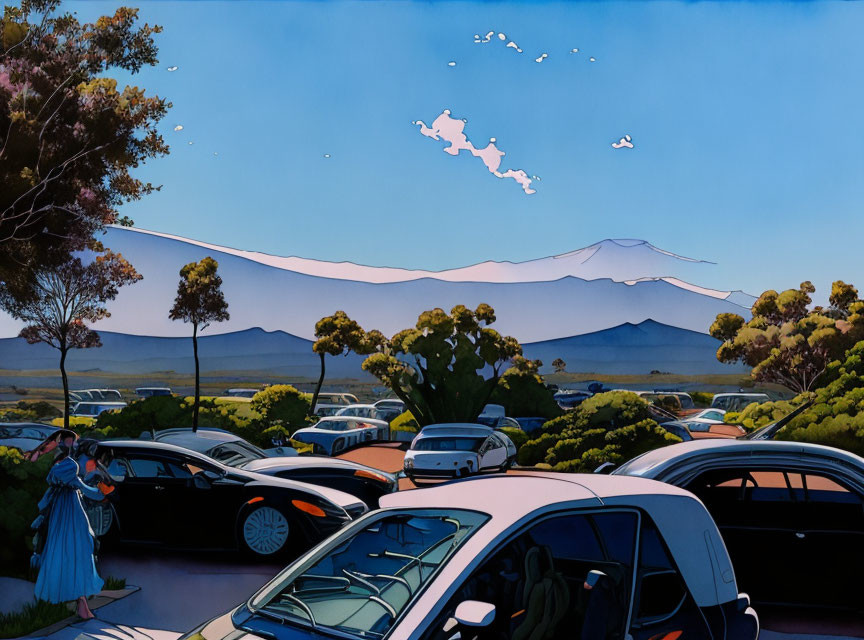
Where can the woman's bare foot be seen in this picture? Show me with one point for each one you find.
(84, 609)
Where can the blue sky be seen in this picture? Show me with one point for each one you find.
(747, 121)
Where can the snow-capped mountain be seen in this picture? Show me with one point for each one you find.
(605, 285)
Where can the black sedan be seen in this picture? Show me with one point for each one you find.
(364, 482)
(791, 513)
(170, 496)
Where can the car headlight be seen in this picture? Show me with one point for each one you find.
(409, 463)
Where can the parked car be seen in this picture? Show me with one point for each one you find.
(690, 430)
(25, 436)
(359, 411)
(571, 399)
(223, 446)
(173, 496)
(361, 481)
(465, 559)
(390, 403)
(791, 513)
(498, 422)
(149, 392)
(326, 410)
(240, 393)
(531, 424)
(110, 395)
(335, 434)
(457, 450)
(737, 401)
(330, 397)
(711, 416)
(93, 409)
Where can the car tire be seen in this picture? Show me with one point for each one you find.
(265, 532)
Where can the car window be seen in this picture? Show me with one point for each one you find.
(361, 585)
(540, 576)
(149, 467)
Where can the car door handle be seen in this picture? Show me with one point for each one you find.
(159, 487)
(800, 535)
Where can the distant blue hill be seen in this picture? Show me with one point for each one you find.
(625, 349)
(634, 349)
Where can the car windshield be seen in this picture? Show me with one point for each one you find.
(362, 585)
(236, 454)
(449, 444)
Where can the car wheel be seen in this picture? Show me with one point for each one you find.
(265, 531)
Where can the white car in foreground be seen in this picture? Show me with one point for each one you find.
(335, 434)
(509, 557)
(457, 450)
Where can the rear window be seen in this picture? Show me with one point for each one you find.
(448, 444)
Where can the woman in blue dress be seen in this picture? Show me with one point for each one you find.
(67, 567)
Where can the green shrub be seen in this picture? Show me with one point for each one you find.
(283, 405)
(22, 484)
(523, 394)
(608, 427)
(518, 436)
(24, 411)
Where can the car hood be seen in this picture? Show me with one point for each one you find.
(336, 497)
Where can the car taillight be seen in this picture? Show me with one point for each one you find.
(371, 475)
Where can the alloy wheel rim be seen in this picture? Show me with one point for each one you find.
(265, 530)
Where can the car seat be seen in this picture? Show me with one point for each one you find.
(544, 597)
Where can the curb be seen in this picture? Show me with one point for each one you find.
(96, 602)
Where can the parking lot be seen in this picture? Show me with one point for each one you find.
(164, 607)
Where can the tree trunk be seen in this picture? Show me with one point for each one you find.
(318, 387)
(197, 379)
(63, 375)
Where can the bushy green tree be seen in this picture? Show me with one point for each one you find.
(199, 302)
(559, 365)
(836, 417)
(340, 335)
(282, 409)
(70, 137)
(446, 368)
(65, 298)
(787, 342)
(609, 427)
(523, 394)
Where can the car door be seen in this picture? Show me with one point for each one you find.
(206, 502)
(831, 532)
(143, 507)
(759, 518)
(663, 607)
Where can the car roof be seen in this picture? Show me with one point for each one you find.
(372, 421)
(355, 405)
(463, 429)
(653, 463)
(29, 424)
(742, 394)
(201, 441)
(325, 462)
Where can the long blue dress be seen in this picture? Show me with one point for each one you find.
(68, 568)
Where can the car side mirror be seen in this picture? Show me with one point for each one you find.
(473, 613)
(201, 481)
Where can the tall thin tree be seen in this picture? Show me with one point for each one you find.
(65, 297)
(199, 301)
